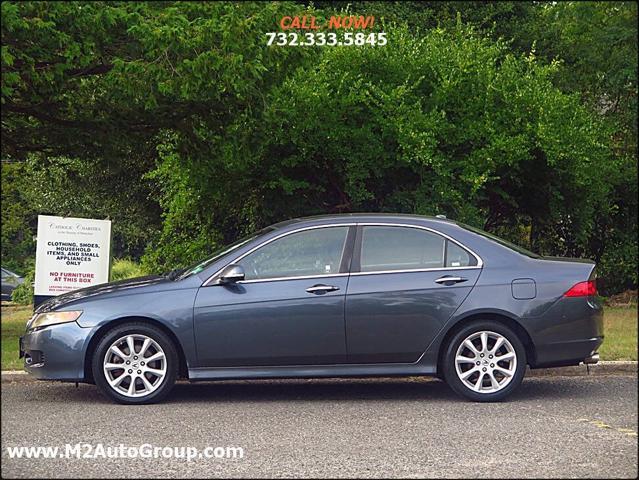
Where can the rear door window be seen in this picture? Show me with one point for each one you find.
(400, 248)
(388, 248)
(457, 256)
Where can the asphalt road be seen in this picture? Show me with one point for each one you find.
(552, 427)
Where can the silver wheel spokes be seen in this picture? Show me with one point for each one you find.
(485, 362)
(135, 365)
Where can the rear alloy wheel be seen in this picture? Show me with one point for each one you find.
(485, 361)
(135, 363)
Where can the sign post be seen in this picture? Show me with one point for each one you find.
(71, 253)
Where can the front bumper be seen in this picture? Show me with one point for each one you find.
(56, 352)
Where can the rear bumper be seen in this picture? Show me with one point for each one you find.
(56, 352)
(569, 333)
(567, 353)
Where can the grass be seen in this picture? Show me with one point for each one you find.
(14, 320)
(620, 330)
(620, 334)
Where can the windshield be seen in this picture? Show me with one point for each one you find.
(219, 253)
(501, 241)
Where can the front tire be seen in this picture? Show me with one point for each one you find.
(485, 361)
(135, 363)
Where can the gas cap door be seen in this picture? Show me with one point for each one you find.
(524, 288)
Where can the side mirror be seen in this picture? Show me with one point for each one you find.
(231, 274)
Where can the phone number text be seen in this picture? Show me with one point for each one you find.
(320, 39)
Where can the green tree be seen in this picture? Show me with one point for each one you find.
(94, 90)
(175, 120)
(18, 220)
(447, 123)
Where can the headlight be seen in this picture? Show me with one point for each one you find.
(53, 318)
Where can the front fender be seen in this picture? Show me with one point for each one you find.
(171, 309)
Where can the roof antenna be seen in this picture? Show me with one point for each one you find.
(440, 216)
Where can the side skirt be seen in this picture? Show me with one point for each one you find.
(310, 371)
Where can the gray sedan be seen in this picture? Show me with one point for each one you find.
(10, 281)
(328, 296)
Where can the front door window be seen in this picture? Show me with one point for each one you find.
(311, 252)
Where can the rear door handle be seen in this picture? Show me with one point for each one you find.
(320, 289)
(450, 280)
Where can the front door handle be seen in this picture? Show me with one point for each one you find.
(320, 289)
(450, 280)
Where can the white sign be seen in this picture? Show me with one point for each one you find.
(71, 253)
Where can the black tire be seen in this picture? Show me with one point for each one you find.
(136, 328)
(449, 369)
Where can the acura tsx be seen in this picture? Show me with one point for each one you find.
(328, 296)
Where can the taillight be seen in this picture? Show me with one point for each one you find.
(582, 289)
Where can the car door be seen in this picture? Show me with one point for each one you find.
(405, 284)
(289, 310)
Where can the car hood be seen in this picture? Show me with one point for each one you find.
(122, 286)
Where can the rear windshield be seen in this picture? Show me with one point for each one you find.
(501, 241)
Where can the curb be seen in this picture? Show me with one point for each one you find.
(15, 375)
(601, 368)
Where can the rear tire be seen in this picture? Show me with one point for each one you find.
(135, 363)
(485, 361)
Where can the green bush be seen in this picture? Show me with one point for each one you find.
(617, 269)
(23, 294)
(123, 268)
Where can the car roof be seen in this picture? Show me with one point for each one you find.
(361, 217)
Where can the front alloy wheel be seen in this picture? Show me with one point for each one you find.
(484, 361)
(135, 363)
